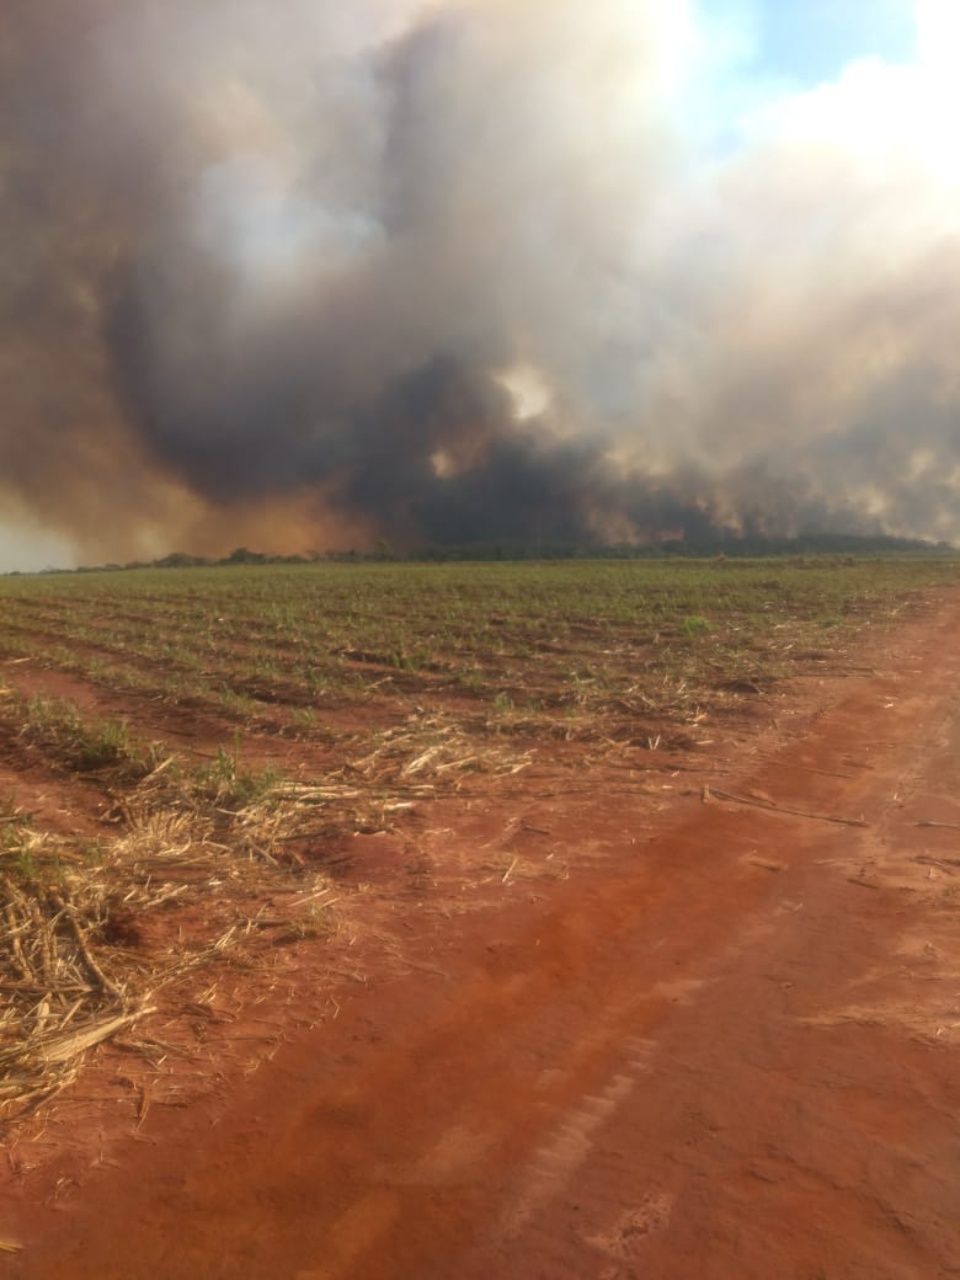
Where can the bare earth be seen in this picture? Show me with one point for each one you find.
(595, 1025)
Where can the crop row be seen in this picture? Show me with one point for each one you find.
(535, 636)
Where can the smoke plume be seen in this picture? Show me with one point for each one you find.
(298, 273)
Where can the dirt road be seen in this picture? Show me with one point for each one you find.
(728, 1051)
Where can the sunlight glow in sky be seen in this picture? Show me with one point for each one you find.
(30, 550)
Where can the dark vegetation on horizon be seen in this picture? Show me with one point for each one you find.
(815, 544)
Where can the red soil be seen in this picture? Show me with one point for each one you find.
(722, 1043)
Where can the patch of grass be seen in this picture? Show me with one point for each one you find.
(696, 626)
(240, 706)
(59, 725)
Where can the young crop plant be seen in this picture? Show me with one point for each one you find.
(697, 625)
(229, 785)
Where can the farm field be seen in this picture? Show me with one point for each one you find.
(236, 789)
(227, 727)
(275, 646)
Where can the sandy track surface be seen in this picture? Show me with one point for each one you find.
(727, 1050)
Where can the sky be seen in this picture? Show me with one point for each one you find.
(806, 42)
(290, 274)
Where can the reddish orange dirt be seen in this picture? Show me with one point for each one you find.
(724, 1044)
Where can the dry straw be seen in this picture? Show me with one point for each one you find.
(216, 846)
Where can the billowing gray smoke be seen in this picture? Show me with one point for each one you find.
(293, 271)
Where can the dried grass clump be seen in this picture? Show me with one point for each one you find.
(69, 976)
(57, 996)
(431, 751)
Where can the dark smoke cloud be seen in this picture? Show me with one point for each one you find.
(295, 272)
